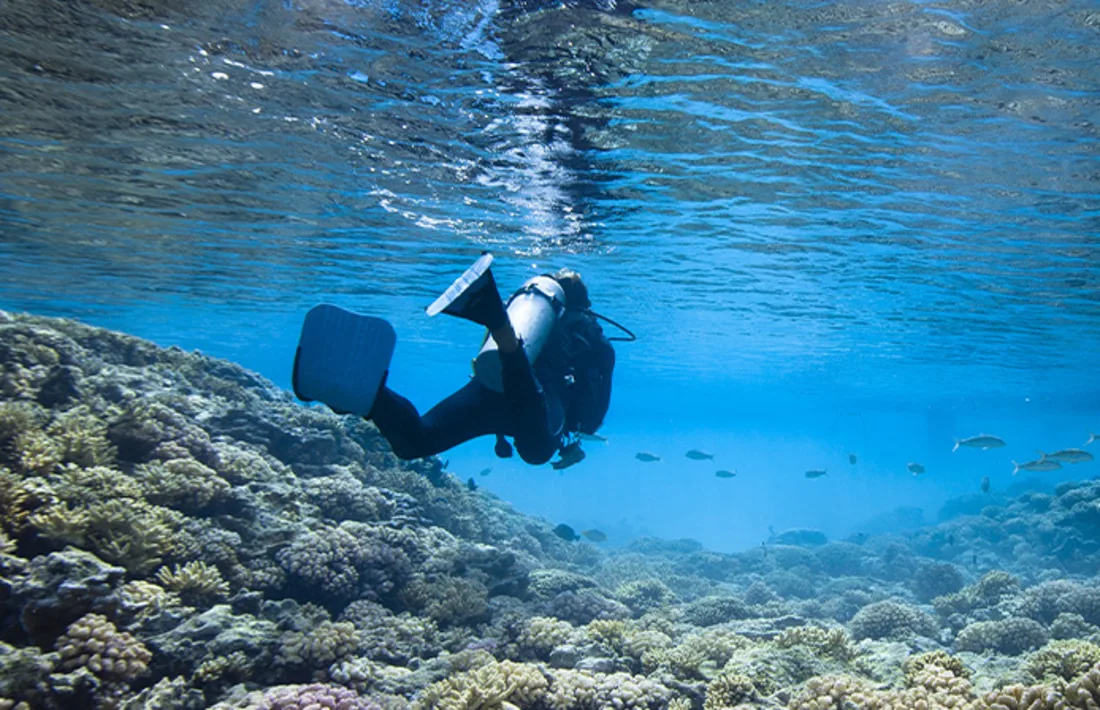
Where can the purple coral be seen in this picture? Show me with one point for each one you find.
(315, 696)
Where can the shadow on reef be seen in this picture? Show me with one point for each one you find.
(178, 533)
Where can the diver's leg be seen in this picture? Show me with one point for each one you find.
(467, 414)
(526, 403)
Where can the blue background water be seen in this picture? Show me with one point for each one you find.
(861, 227)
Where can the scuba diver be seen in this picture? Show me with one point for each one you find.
(542, 377)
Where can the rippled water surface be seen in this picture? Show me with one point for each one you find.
(892, 196)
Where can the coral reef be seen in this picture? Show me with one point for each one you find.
(176, 532)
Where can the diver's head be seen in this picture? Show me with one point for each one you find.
(576, 293)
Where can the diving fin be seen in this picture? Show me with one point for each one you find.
(474, 296)
(342, 359)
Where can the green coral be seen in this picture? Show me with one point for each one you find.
(494, 686)
(93, 642)
(827, 643)
(644, 595)
(1010, 636)
(194, 582)
(729, 690)
(181, 483)
(1063, 659)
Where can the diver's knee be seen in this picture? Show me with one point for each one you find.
(535, 455)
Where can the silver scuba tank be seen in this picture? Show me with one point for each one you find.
(534, 311)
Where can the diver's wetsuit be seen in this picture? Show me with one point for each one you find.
(568, 390)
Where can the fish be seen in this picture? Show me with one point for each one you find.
(816, 473)
(1068, 456)
(985, 485)
(592, 437)
(646, 456)
(594, 535)
(471, 484)
(697, 455)
(725, 474)
(981, 441)
(852, 459)
(1037, 465)
(566, 533)
(915, 468)
(1092, 438)
(485, 471)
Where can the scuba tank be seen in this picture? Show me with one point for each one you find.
(534, 311)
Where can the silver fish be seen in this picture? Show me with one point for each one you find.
(646, 456)
(816, 473)
(1092, 438)
(592, 437)
(981, 441)
(697, 455)
(1068, 456)
(915, 468)
(1037, 465)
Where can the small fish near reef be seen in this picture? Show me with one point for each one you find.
(852, 459)
(471, 484)
(485, 471)
(1037, 465)
(1068, 456)
(915, 468)
(981, 441)
(594, 535)
(986, 485)
(816, 473)
(723, 473)
(646, 456)
(592, 437)
(697, 455)
(566, 533)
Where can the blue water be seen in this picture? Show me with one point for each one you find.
(860, 228)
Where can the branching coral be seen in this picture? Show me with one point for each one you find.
(541, 634)
(194, 581)
(709, 611)
(182, 483)
(729, 690)
(93, 642)
(81, 438)
(392, 638)
(486, 688)
(1063, 660)
(315, 696)
(644, 595)
(320, 646)
(342, 566)
(829, 643)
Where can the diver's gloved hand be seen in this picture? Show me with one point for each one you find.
(569, 456)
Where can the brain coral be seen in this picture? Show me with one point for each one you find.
(891, 620)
